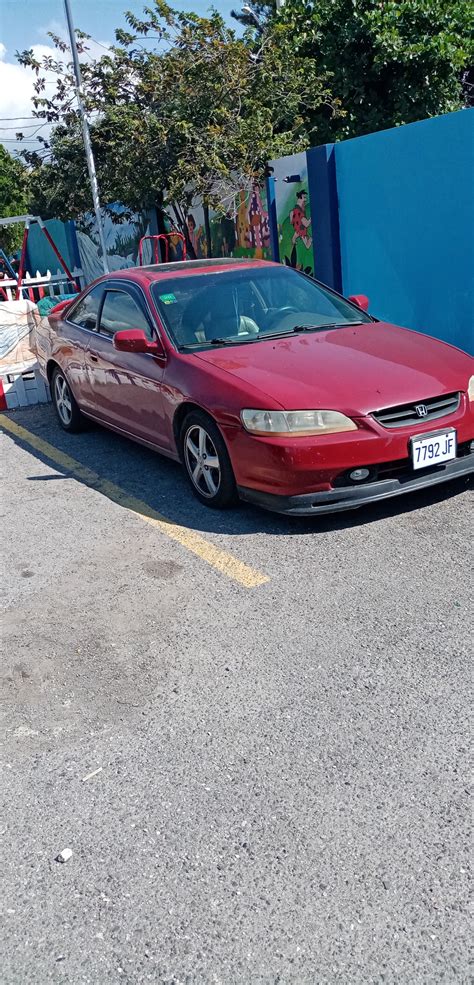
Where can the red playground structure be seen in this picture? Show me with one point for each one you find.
(166, 238)
(28, 220)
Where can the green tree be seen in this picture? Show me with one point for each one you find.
(197, 114)
(13, 198)
(391, 62)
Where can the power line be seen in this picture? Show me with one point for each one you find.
(104, 46)
(28, 127)
(29, 138)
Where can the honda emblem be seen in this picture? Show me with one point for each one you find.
(421, 410)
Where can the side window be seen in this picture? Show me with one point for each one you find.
(85, 313)
(120, 311)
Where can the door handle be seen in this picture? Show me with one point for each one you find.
(94, 359)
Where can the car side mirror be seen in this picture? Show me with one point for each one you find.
(135, 340)
(361, 300)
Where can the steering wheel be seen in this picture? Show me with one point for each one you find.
(288, 309)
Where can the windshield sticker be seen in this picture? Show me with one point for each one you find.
(168, 298)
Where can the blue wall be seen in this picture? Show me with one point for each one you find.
(41, 257)
(323, 197)
(406, 224)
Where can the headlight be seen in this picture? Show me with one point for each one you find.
(294, 422)
(470, 389)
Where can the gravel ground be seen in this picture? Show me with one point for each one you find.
(283, 787)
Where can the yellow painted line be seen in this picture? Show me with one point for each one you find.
(221, 560)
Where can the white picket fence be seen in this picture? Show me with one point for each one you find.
(27, 387)
(41, 285)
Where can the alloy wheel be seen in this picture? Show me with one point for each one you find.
(62, 399)
(202, 461)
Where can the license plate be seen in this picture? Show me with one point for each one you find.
(433, 449)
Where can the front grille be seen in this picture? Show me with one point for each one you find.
(406, 414)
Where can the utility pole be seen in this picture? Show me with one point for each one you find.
(86, 135)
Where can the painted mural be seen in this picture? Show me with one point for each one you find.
(121, 238)
(196, 233)
(243, 230)
(295, 223)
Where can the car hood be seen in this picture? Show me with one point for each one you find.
(357, 369)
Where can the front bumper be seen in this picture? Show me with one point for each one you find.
(353, 497)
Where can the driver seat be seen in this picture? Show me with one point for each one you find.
(203, 320)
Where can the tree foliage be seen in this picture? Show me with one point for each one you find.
(13, 198)
(196, 114)
(390, 61)
(181, 106)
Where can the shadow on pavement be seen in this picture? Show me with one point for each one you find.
(161, 484)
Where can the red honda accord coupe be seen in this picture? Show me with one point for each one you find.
(265, 384)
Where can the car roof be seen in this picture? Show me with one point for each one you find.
(161, 271)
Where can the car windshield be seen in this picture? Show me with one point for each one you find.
(238, 306)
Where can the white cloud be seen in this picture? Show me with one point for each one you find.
(16, 89)
(16, 93)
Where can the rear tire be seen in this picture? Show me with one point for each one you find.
(206, 461)
(69, 415)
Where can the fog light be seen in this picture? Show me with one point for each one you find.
(358, 475)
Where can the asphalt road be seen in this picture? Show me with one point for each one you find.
(283, 787)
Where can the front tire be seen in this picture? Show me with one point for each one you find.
(69, 415)
(207, 463)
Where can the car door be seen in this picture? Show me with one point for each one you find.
(126, 386)
(73, 342)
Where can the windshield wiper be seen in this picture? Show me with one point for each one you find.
(253, 338)
(322, 328)
(242, 341)
(226, 341)
(197, 345)
(263, 336)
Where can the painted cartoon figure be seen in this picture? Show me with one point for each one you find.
(191, 224)
(258, 225)
(195, 235)
(299, 220)
(229, 238)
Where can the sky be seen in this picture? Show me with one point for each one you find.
(25, 24)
